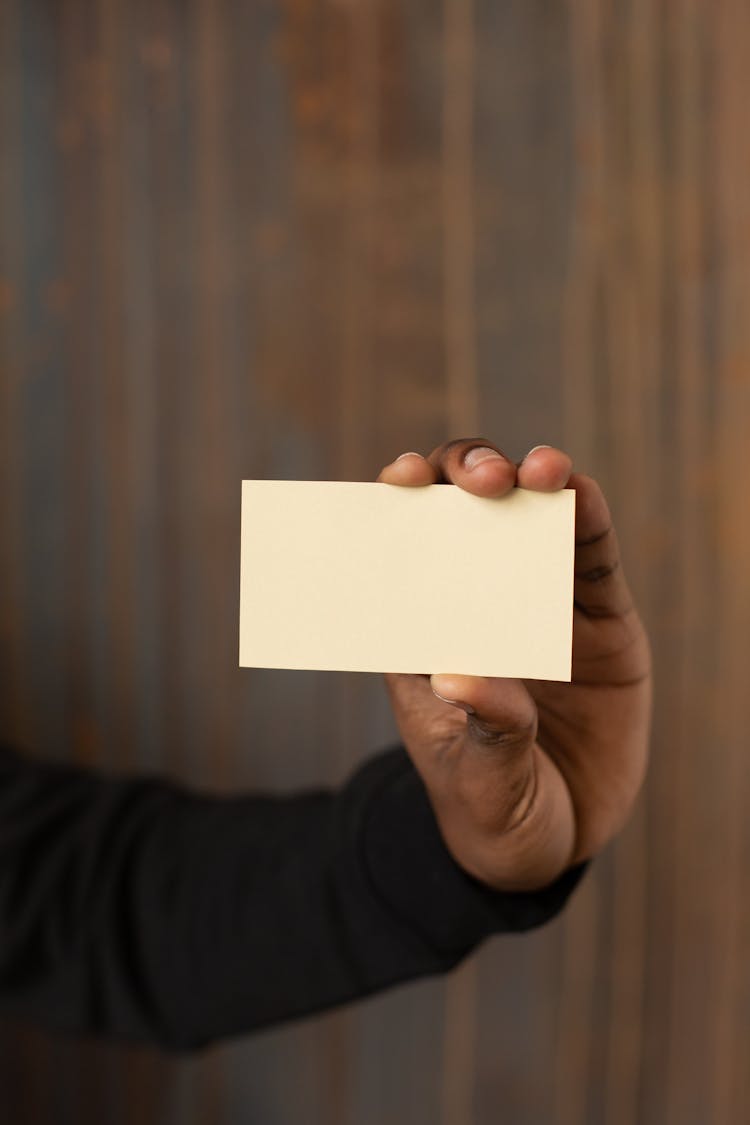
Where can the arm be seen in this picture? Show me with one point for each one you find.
(137, 908)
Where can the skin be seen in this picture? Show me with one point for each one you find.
(528, 777)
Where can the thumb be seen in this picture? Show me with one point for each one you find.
(485, 715)
(506, 812)
(501, 714)
(469, 737)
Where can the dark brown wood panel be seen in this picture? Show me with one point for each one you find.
(293, 239)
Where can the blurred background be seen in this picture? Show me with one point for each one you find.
(244, 238)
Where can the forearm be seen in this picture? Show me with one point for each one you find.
(136, 908)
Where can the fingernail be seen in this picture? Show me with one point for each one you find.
(535, 449)
(453, 702)
(479, 454)
(402, 455)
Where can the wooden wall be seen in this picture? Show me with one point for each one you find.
(293, 239)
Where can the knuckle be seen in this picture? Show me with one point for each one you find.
(440, 452)
(593, 540)
(597, 612)
(599, 573)
(456, 445)
(513, 738)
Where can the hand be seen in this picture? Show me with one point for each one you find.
(527, 777)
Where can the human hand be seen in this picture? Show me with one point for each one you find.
(527, 777)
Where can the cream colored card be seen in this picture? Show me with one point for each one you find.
(379, 578)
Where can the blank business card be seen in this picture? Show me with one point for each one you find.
(379, 578)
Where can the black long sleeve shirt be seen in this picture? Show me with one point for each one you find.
(134, 907)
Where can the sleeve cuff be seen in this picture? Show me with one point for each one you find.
(413, 871)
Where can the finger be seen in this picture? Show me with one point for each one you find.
(491, 713)
(469, 737)
(502, 805)
(410, 469)
(545, 469)
(600, 589)
(418, 711)
(501, 715)
(475, 465)
(499, 768)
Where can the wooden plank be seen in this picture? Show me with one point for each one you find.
(295, 239)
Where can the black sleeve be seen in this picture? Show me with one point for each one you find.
(136, 908)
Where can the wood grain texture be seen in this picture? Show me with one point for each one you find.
(295, 238)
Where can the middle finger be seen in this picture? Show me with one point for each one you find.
(476, 465)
